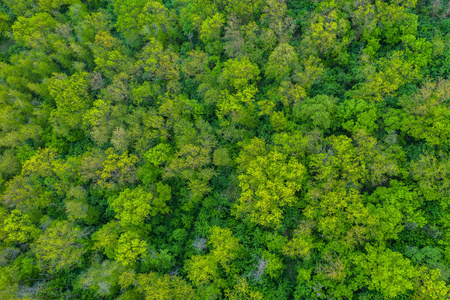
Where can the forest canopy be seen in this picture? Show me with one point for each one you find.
(228, 149)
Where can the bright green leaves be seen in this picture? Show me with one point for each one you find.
(164, 24)
(242, 290)
(238, 107)
(127, 14)
(190, 163)
(102, 278)
(117, 170)
(390, 273)
(393, 207)
(394, 72)
(339, 213)
(201, 269)
(43, 177)
(429, 285)
(269, 183)
(427, 113)
(159, 64)
(60, 246)
(210, 33)
(238, 73)
(347, 164)
(130, 248)
(72, 99)
(135, 16)
(395, 22)
(34, 32)
(301, 243)
(357, 114)
(105, 239)
(224, 249)
(281, 62)
(432, 175)
(318, 112)
(17, 228)
(161, 287)
(132, 207)
(330, 34)
(52, 5)
(4, 26)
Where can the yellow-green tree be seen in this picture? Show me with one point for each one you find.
(61, 246)
(269, 183)
(132, 207)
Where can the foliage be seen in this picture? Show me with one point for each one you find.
(193, 149)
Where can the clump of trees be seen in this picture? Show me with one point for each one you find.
(265, 149)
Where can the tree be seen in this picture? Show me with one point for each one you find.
(339, 214)
(201, 269)
(429, 286)
(155, 286)
(61, 246)
(238, 107)
(239, 73)
(394, 207)
(130, 248)
(281, 62)
(330, 34)
(132, 207)
(102, 278)
(425, 114)
(431, 173)
(344, 164)
(164, 22)
(128, 13)
(210, 33)
(17, 228)
(35, 31)
(394, 72)
(357, 114)
(317, 112)
(4, 26)
(118, 170)
(72, 100)
(225, 248)
(278, 22)
(302, 241)
(268, 184)
(105, 239)
(390, 273)
(43, 177)
(242, 290)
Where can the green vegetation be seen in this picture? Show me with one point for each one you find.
(228, 149)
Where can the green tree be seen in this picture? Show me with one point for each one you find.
(203, 269)
(155, 286)
(105, 239)
(61, 246)
(102, 278)
(238, 73)
(130, 248)
(281, 62)
(389, 272)
(426, 113)
(18, 228)
(117, 170)
(268, 183)
(317, 112)
(72, 99)
(132, 207)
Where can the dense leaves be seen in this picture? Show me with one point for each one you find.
(228, 149)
